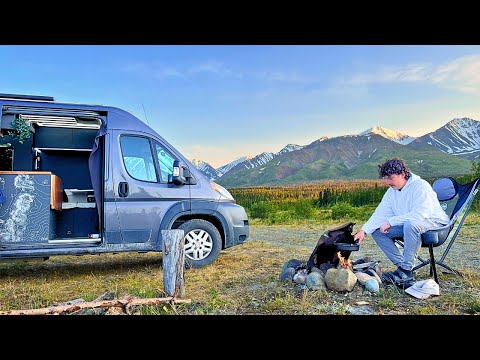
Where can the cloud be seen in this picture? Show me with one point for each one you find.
(134, 67)
(165, 71)
(168, 72)
(287, 77)
(462, 74)
(213, 67)
(146, 69)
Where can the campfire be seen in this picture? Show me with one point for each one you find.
(329, 265)
(347, 264)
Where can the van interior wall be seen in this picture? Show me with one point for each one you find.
(70, 166)
(64, 138)
(68, 154)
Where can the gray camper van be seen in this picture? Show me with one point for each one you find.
(90, 179)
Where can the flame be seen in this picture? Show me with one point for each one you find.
(346, 264)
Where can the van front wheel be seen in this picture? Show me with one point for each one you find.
(203, 242)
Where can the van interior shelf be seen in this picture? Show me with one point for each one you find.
(61, 149)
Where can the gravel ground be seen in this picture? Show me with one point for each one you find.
(464, 252)
(459, 295)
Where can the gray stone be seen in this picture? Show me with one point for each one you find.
(372, 273)
(315, 281)
(106, 296)
(341, 279)
(372, 285)
(292, 263)
(361, 310)
(362, 277)
(89, 311)
(287, 275)
(300, 277)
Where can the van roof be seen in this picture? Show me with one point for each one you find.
(26, 97)
(36, 104)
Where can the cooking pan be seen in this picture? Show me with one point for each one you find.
(347, 247)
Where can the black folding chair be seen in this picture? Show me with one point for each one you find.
(456, 199)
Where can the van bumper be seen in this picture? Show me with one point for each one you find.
(238, 228)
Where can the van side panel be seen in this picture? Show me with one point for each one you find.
(143, 206)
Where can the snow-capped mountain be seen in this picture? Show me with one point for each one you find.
(396, 136)
(205, 168)
(288, 148)
(226, 168)
(460, 136)
(322, 138)
(249, 162)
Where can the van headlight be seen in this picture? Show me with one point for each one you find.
(224, 194)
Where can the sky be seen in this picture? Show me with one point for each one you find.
(218, 103)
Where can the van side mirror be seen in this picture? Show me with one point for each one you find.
(178, 177)
(181, 174)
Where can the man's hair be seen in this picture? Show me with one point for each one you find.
(394, 166)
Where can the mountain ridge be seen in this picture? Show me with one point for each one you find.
(353, 156)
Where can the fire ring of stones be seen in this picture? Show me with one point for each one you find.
(339, 278)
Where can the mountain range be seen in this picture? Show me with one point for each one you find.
(447, 151)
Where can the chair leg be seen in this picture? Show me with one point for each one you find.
(432, 264)
(450, 269)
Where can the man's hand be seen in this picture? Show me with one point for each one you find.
(359, 236)
(385, 227)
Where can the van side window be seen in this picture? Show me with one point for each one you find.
(165, 163)
(138, 158)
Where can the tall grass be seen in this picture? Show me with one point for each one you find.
(320, 201)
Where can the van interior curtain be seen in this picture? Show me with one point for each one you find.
(95, 166)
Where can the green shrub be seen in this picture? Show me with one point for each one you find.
(261, 209)
(342, 210)
(304, 210)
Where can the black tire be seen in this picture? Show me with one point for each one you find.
(203, 243)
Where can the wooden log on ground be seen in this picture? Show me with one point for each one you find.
(173, 259)
(125, 304)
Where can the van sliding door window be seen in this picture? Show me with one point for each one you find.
(165, 163)
(138, 158)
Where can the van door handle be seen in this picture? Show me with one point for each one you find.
(123, 189)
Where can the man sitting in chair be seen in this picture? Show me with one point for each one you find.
(408, 209)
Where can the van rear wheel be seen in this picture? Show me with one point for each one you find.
(203, 243)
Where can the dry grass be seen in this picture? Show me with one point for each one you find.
(244, 280)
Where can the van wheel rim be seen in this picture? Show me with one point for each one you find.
(198, 244)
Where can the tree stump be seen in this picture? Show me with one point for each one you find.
(173, 258)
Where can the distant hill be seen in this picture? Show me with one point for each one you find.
(346, 157)
(460, 137)
(447, 151)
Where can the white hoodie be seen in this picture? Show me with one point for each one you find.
(415, 201)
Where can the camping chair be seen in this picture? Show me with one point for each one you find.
(456, 199)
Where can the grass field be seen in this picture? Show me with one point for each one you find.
(245, 279)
